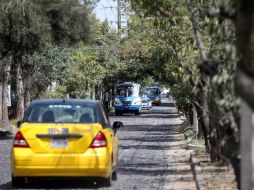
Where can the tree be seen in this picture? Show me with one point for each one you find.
(69, 20)
(44, 68)
(22, 30)
(244, 85)
(202, 46)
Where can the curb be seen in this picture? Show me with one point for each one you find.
(195, 147)
(194, 163)
(197, 172)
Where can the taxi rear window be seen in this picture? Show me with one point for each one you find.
(62, 113)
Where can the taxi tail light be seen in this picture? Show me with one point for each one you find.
(20, 141)
(99, 141)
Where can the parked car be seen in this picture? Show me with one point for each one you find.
(145, 104)
(150, 102)
(65, 138)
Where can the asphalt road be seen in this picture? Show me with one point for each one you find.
(151, 155)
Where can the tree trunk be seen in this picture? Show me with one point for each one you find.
(27, 99)
(1, 92)
(5, 94)
(195, 122)
(196, 31)
(27, 80)
(245, 86)
(19, 90)
(101, 91)
(93, 92)
(245, 41)
(203, 113)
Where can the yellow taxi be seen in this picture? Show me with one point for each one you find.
(65, 138)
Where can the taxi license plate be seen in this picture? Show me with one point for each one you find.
(58, 143)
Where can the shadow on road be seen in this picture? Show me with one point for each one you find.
(167, 104)
(170, 129)
(168, 116)
(151, 147)
(5, 135)
(56, 184)
(165, 138)
(139, 169)
(149, 113)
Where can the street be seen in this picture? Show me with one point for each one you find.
(152, 155)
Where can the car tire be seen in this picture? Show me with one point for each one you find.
(18, 181)
(107, 182)
(137, 112)
(114, 175)
(117, 113)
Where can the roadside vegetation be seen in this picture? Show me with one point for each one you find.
(197, 56)
(59, 49)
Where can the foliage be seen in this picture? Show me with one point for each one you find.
(22, 27)
(207, 84)
(184, 101)
(92, 65)
(84, 74)
(45, 67)
(68, 19)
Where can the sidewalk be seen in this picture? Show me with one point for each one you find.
(181, 177)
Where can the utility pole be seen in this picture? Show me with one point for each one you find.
(119, 15)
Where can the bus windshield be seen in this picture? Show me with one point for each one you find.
(124, 92)
(152, 91)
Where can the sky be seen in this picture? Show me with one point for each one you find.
(108, 9)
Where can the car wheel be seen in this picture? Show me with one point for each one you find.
(137, 112)
(107, 182)
(17, 181)
(117, 113)
(114, 175)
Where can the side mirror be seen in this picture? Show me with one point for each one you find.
(19, 124)
(117, 125)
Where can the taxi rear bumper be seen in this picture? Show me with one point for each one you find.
(92, 163)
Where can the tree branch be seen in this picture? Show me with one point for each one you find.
(221, 12)
(165, 13)
(196, 30)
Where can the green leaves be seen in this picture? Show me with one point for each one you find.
(68, 19)
(23, 28)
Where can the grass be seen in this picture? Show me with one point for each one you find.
(189, 133)
(200, 142)
(14, 121)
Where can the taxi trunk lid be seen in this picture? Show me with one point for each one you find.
(59, 138)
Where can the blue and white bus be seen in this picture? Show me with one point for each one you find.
(154, 93)
(127, 98)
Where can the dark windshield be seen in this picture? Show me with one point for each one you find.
(124, 91)
(152, 91)
(62, 113)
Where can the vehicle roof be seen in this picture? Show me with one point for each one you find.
(127, 84)
(58, 101)
(152, 87)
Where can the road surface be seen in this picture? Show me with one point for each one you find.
(152, 155)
